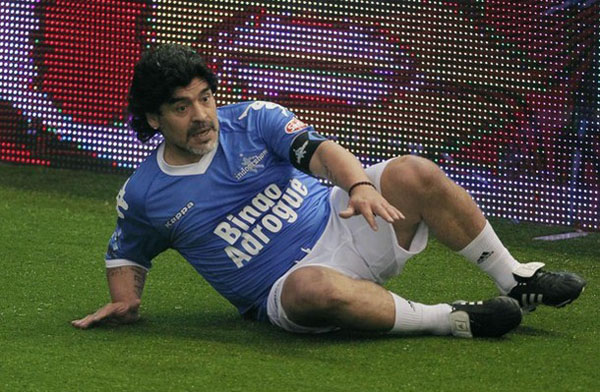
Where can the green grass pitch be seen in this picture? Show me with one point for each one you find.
(55, 225)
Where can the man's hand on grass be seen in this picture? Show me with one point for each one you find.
(112, 313)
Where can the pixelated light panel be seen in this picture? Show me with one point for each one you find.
(502, 94)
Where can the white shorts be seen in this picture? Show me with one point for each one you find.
(352, 248)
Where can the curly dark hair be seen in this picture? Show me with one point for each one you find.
(156, 75)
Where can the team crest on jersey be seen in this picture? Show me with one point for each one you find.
(294, 125)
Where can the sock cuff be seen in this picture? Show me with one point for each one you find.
(483, 246)
(416, 318)
(489, 253)
(408, 315)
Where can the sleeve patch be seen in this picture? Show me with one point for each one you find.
(294, 125)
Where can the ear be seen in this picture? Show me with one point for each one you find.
(152, 120)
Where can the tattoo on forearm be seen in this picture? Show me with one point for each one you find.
(139, 279)
(110, 272)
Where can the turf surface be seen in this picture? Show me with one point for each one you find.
(54, 228)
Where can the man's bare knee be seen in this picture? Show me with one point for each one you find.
(413, 174)
(311, 296)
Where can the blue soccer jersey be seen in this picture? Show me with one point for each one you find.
(241, 216)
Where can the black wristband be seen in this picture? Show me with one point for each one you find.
(358, 184)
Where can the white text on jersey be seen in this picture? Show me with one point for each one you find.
(246, 237)
(179, 215)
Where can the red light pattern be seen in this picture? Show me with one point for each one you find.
(87, 52)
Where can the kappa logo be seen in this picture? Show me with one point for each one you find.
(122, 205)
(174, 219)
(258, 105)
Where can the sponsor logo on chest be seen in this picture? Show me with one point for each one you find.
(251, 164)
(247, 232)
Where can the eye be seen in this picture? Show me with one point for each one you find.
(181, 108)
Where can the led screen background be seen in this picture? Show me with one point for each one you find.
(503, 95)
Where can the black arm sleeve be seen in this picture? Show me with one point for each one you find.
(302, 149)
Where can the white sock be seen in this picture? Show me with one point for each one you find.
(488, 253)
(415, 318)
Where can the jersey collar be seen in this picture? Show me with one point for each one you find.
(191, 169)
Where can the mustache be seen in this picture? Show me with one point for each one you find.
(199, 128)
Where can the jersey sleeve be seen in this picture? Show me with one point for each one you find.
(278, 127)
(135, 241)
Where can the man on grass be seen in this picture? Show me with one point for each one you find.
(233, 190)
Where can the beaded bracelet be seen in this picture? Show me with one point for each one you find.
(360, 183)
